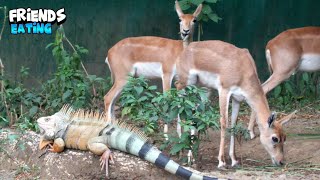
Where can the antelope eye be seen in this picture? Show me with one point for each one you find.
(194, 21)
(274, 139)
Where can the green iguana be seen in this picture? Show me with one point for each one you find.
(90, 131)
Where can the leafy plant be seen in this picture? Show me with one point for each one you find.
(136, 100)
(70, 84)
(240, 131)
(142, 104)
(297, 91)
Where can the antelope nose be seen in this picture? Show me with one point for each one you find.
(281, 163)
(186, 31)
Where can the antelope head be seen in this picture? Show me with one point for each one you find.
(179, 85)
(273, 137)
(187, 21)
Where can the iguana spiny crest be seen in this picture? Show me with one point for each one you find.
(88, 130)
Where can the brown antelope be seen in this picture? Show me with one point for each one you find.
(232, 72)
(151, 57)
(291, 51)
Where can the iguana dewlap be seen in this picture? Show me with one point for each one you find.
(89, 131)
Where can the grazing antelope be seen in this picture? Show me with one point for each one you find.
(291, 51)
(151, 57)
(232, 72)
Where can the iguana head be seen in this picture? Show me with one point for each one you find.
(52, 127)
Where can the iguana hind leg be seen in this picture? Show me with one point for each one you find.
(97, 145)
(104, 160)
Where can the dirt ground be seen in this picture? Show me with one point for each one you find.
(302, 155)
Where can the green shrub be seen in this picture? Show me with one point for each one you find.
(70, 84)
(142, 104)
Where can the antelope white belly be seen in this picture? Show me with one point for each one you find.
(148, 69)
(208, 79)
(310, 63)
(237, 93)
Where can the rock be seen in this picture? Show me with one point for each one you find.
(21, 158)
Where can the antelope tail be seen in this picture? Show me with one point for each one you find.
(111, 72)
(268, 57)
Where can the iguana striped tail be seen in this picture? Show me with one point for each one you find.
(127, 140)
(88, 130)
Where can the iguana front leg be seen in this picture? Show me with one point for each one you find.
(98, 146)
(56, 145)
(44, 143)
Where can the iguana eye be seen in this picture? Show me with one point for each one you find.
(46, 119)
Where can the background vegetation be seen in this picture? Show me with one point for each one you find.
(99, 24)
(36, 81)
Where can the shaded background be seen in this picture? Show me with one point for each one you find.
(98, 25)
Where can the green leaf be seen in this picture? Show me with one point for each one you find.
(214, 17)
(125, 111)
(206, 9)
(190, 103)
(138, 89)
(173, 114)
(3, 119)
(277, 91)
(305, 77)
(288, 87)
(184, 5)
(176, 148)
(33, 111)
(37, 100)
(201, 127)
(211, 1)
(55, 103)
(83, 51)
(143, 98)
(196, 2)
(66, 95)
(152, 87)
(49, 45)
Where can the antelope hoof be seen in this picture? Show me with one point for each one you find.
(190, 157)
(252, 135)
(235, 163)
(221, 165)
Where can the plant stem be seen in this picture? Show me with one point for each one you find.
(4, 21)
(199, 31)
(2, 81)
(3, 98)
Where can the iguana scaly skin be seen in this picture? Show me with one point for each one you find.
(89, 131)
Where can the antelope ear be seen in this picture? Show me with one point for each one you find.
(271, 119)
(287, 118)
(198, 11)
(178, 9)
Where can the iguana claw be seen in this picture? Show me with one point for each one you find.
(44, 143)
(104, 160)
